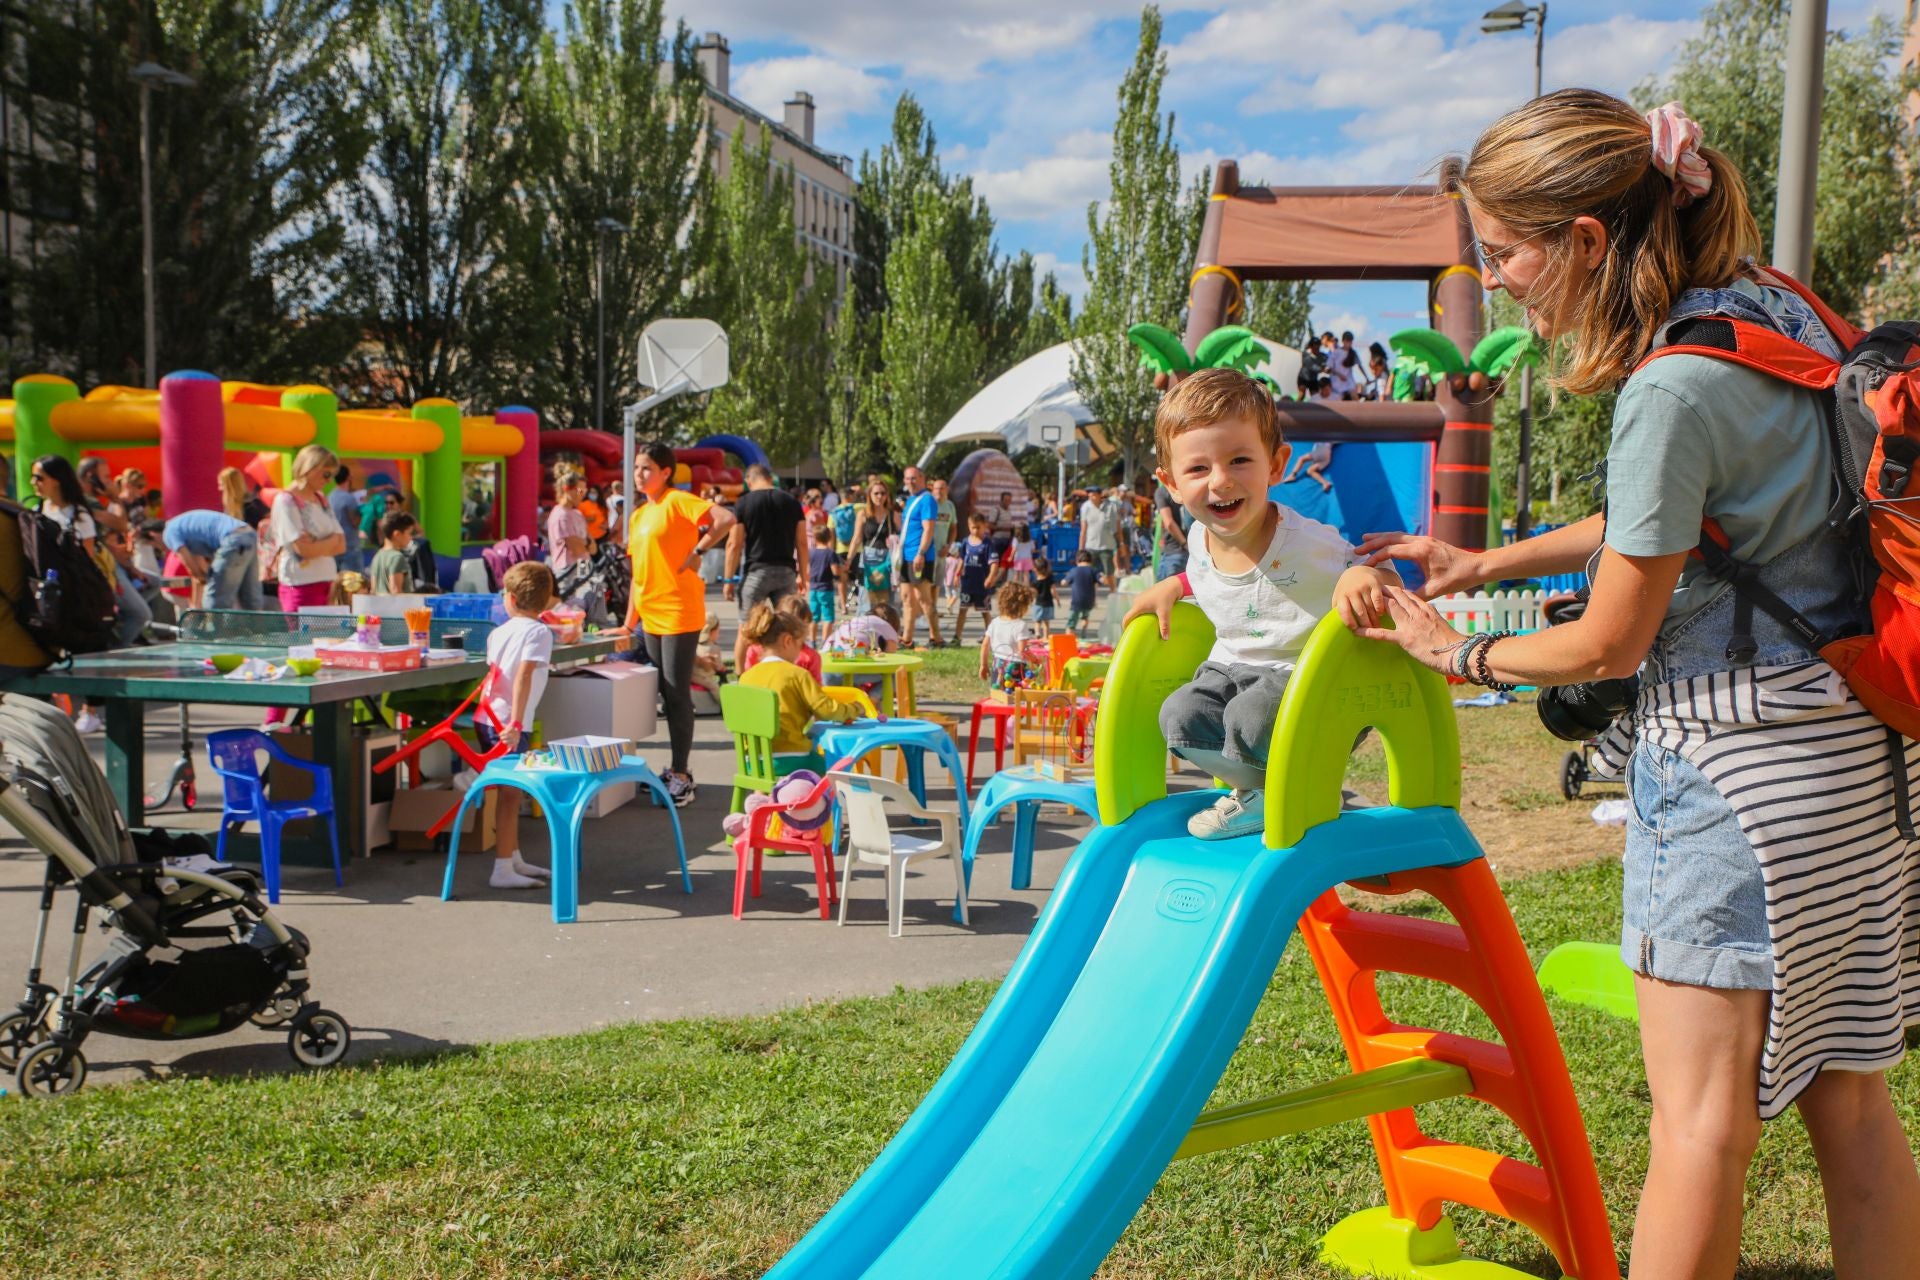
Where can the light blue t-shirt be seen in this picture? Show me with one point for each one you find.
(918, 518)
(1697, 437)
(199, 531)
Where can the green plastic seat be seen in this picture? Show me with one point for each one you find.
(752, 716)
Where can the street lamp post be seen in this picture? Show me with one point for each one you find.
(150, 76)
(1514, 16)
(602, 229)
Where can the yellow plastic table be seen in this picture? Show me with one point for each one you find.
(888, 666)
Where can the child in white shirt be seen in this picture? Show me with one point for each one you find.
(1003, 652)
(520, 650)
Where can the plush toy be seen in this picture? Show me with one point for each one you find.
(790, 790)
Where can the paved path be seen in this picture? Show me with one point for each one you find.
(413, 973)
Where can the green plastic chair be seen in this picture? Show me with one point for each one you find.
(752, 716)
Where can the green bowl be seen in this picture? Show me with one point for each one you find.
(303, 666)
(226, 662)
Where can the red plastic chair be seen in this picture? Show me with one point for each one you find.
(1002, 714)
(448, 732)
(816, 843)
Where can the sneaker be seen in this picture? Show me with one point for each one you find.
(526, 868)
(505, 877)
(88, 722)
(680, 789)
(1238, 813)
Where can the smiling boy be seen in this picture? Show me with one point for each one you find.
(1263, 575)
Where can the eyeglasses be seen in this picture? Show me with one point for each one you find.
(1494, 257)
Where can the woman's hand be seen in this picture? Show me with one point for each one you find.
(1419, 629)
(1157, 600)
(1447, 568)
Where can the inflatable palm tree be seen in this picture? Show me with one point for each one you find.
(1165, 356)
(1432, 353)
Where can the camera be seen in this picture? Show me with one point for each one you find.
(1576, 712)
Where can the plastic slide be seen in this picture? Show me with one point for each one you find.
(1036, 1148)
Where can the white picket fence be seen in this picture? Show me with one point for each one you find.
(1476, 611)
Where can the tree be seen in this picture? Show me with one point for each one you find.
(1732, 79)
(930, 350)
(617, 125)
(772, 298)
(1137, 254)
(442, 190)
(249, 166)
(1570, 438)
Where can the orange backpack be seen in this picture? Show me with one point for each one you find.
(1871, 403)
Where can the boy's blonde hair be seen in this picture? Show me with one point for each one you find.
(529, 584)
(347, 584)
(767, 624)
(1014, 600)
(1210, 396)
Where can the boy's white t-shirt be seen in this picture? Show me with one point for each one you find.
(513, 642)
(1007, 636)
(1262, 617)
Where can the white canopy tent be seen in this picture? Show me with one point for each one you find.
(1001, 411)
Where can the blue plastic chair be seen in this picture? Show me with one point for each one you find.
(235, 754)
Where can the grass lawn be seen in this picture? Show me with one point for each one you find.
(705, 1148)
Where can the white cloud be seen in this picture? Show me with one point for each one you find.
(944, 40)
(1058, 184)
(1345, 322)
(838, 90)
(1066, 271)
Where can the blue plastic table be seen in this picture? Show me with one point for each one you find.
(564, 795)
(914, 738)
(1025, 788)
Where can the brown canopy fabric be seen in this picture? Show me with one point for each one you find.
(1337, 233)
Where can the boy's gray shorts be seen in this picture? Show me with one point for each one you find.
(1226, 708)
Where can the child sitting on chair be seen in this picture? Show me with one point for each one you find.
(520, 650)
(809, 659)
(1263, 575)
(779, 636)
(1003, 650)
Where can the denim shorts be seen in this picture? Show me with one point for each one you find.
(1695, 902)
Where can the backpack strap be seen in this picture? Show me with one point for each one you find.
(1748, 593)
(1757, 347)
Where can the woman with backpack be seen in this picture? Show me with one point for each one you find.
(1768, 885)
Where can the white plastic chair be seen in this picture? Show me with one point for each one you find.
(871, 840)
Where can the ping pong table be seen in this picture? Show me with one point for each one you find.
(126, 680)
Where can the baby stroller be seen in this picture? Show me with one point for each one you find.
(193, 953)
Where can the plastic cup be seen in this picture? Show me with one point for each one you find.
(419, 627)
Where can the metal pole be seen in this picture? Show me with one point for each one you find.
(600, 346)
(1800, 139)
(146, 229)
(1523, 472)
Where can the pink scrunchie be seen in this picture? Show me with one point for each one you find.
(1676, 153)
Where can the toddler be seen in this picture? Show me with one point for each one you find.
(1082, 579)
(1003, 652)
(779, 636)
(1263, 575)
(978, 570)
(709, 663)
(1020, 553)
(1043, 594)
(826, 579)
(809, 657)
(347, 584)
(519, 651)
(878, 628)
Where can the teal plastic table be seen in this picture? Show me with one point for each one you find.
(914, 738)
(1026, 789)
(564, 794)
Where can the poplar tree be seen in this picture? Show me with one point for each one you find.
(1138, 254)
(772, 297)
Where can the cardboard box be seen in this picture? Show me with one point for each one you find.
(365, 796)
(606, 700)
(414, 809)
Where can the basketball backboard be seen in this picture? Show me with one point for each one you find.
(683, 355)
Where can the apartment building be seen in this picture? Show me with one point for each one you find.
(41, 181)
(824, 192)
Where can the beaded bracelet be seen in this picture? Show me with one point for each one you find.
(1483, 667)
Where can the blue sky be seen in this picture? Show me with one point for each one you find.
(1021, 93)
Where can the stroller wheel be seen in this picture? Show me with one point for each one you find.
(50, 1070)
(319, 1038)
(19, 1032)
(1573, 774)
(275, 1012)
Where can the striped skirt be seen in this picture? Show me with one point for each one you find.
(1807, 772)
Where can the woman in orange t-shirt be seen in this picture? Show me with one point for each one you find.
(667, 608)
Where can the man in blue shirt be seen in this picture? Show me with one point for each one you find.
(919, 556)
(346, 509)
(221, 555)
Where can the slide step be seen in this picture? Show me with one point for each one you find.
(1592, 974)
(1354, 1097)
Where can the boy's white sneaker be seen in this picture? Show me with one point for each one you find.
(505, 877)
(88, 722)
(1238, 813)
(526, 868)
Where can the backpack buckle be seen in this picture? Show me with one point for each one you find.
(1893, 478)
